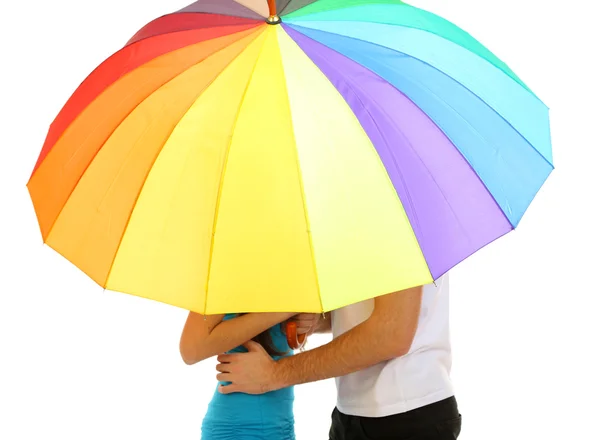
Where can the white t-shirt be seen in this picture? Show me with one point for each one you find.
(419, 378)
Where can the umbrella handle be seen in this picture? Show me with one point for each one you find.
(294, 340)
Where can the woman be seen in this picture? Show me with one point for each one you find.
(241, 416)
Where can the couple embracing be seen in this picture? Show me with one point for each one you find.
(390, 357)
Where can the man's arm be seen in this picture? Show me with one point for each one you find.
(386, 334)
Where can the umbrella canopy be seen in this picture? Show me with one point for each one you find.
(299, 156)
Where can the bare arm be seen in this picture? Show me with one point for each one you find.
(386, 334)
(204, 337)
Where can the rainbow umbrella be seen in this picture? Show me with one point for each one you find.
(229, 160)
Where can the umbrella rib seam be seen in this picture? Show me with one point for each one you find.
(386, 143)
(222, 176)
(343, 7)
(302, 190)
(191, 29)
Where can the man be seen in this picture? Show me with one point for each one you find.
(391, 359)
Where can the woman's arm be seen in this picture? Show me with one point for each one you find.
(207, 336)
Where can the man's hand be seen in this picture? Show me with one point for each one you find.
(388, 333)
(250, 373)
(306, 323)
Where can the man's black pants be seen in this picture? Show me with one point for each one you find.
(438, 421)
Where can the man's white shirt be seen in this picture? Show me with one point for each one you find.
(419, 378)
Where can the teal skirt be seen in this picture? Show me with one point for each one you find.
(250, 417)
(241, 416)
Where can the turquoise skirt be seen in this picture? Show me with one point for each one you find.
(241, 416)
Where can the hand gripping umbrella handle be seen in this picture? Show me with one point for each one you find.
(294, 340)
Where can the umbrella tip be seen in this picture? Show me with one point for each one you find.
(274, 19)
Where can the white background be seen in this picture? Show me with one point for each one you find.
(80, 363)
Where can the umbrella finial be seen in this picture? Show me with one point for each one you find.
(273, 17)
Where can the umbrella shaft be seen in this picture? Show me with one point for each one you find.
(272, 8)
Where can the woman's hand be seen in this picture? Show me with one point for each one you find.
(306, 323)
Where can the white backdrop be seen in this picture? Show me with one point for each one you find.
(79, 363)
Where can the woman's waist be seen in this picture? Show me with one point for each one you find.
(271, 397)
(278, 429)
(279, 402)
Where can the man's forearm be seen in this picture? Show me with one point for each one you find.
(352, 351)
